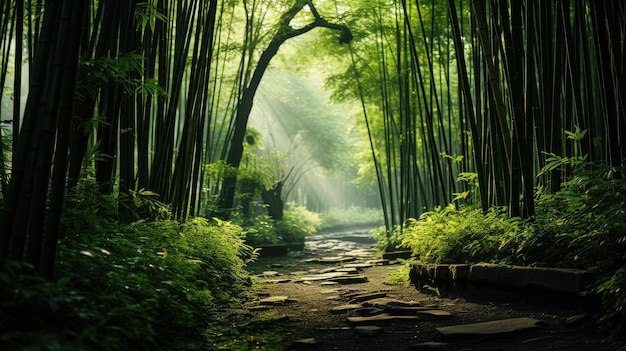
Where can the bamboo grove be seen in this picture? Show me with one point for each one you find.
(462, 100)
(487, 102)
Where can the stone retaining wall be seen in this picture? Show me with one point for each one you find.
(502, 282)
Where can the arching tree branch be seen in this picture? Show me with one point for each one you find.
(285, 32)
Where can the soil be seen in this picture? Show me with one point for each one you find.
(305, 320)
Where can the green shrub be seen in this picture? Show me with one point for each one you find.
(351, 217)
(581, 226)
(448, 235)
(138, 286)
(296, 224)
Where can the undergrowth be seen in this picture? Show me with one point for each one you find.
(296, 224)
(355, 216)
(144, 285)
(582, 226)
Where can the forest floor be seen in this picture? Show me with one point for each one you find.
(322, 298)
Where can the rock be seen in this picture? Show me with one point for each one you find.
(383, 317)
(359, 265)
(405, 255)
(323, 276)
(352, 279)
(577, 319)
(303, 344)
(335, 259)
(275, 300)
(259, 308)
(490, 328)
(382, 262)
(269, 274)
(344, 308)
(459, 272)
(369, 330)
(349, 270)
(433, 315)
(278, 281)
(430, 345)
(331, 291)
(384, 302)
(546, 279)
(367, 297)
(368, 311)
(329, 283)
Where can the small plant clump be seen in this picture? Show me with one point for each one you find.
(143, 285)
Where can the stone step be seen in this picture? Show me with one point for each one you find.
(510, 282)
(491, 327)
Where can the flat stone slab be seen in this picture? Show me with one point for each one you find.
(278, 281)
(550, 279)
(405, 255)
(369, 330)
(334, 259)
(323, 276)
(430, 345)
(269, 274)
(414, 310)
(431, 315)
(304, 344)
(344, 308)
(383, 317)
(359, 265)
(367, 297)
(386, 301)
(560, 280)
(350, 270)
(276, 300)
(491, 328)
(350, 279)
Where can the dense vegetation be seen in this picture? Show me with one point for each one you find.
(131, 176)
(142, 285)
(581, 227)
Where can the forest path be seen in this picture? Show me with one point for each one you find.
(333, 295)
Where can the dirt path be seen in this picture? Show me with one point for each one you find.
(317, 299)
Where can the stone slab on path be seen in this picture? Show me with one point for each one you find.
(323, 276)
(387, 301)
(490, 328)
(344, 308)
(379, 318)
(349, 279)
(369, 330)
(276, 300)
(367, 297)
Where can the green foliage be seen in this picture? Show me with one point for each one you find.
(296, 224)
(582, 226)
(612, 290)
(140, 286)
(388, 240)
(448, 235)
(354, 216)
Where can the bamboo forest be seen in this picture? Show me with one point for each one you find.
(152, 151)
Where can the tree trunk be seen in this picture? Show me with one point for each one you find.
(273, 198)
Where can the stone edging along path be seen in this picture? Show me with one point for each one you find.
(561, 285)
